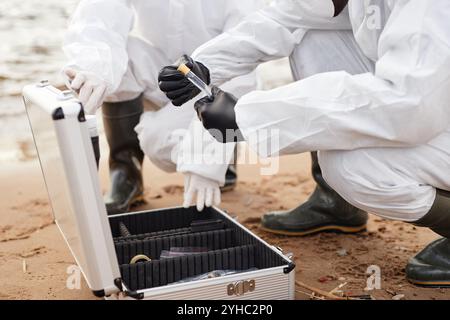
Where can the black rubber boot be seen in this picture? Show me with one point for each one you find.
(125, 156)
(231, 174)
(325, 210)
(431, 266)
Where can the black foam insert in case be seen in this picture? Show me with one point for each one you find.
(229, 248)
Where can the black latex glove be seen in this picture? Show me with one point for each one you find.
(218, 116)
(176, 86)
(339, 6)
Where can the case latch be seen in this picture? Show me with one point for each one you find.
(43, 83)
(241, 287)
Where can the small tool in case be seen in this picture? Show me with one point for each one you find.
(173, 253)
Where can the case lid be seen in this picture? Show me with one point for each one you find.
(64, 146)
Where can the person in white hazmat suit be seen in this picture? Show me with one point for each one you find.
(115, 50)
(325, 210)
(373, 97)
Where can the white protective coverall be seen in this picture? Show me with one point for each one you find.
(127, 42)
(379, 113)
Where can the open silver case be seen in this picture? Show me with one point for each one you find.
(103, 253)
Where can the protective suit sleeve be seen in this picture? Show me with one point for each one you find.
(237, 10)
(404, 103)
(268, 34)
(201, 154)
(96, 40)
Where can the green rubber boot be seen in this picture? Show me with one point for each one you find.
(325, 210)
(431, 266)
(125, 157)
(231, 174)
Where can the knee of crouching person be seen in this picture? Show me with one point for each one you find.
(352, 180)
(337, 175)
(158, 152)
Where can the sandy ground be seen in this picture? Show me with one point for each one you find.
(28, 236)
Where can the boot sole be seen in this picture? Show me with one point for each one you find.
(228, 188)
(137, 201)
(431, 284)
(337, 229)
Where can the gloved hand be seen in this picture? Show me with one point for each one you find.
(218, 116)
(176, 86)
(207, 191)
(91, 89)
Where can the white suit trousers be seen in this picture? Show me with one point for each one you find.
(394, 183)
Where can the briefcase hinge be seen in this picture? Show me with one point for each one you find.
(127, 292)
(289, 268)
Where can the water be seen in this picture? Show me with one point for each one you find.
(31, 34)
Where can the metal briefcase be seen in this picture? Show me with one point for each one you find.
(104, 252)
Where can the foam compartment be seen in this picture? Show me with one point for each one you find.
(230, 248)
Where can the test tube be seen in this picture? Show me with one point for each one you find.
(196, 81)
